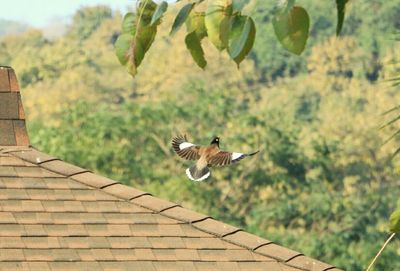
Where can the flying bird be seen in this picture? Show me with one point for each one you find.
(206, 156)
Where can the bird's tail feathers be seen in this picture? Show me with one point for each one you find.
(251, 154)
(198, 175)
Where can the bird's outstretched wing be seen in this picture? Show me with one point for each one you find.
(184, 149)
(224, 158)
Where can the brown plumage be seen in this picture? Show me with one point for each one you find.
(206, 156)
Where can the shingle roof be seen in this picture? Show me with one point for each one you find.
(57, 216)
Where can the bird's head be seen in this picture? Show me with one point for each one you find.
(215, 141)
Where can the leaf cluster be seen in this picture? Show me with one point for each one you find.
(222, 23)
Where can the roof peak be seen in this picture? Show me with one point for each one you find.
(12, 117)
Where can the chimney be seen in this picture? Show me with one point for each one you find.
(12, 117)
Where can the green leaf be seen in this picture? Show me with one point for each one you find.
(340, 6)
(161, 9)
(224, 29)
(137, 36)
(128, 23)
(217, 21)
(394, 221)
(241, 38)
(181, 17)
(195, 22)
(121, 47)
(197, 31)
(291, 29)
(193, 43)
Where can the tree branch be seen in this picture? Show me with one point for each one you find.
(380, 251)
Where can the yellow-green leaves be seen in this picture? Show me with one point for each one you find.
(225, 30)
(128, 24)
(228, 29)
(222, 22)
(138, 34)
(194, 46)
(197, 31)
(122, 46)
(241, 37)
(217, 21)
(394, 221)
(195, 22)
(340, 5)
(181, 18)
(125, 39)
(291, 28)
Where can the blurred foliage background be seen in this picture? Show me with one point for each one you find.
(322, 184)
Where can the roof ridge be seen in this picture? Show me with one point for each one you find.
(204, 223)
